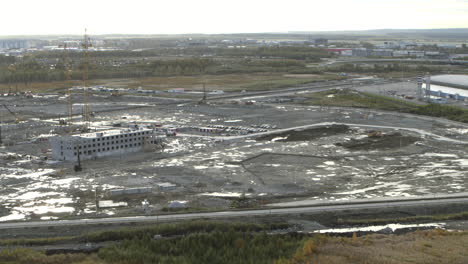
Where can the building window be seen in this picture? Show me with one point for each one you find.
(94, 140)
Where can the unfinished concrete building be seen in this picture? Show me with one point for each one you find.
(104, 143)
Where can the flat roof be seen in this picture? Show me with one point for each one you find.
(112, 132)
(454, 80)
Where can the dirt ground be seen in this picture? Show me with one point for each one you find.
(347, 155)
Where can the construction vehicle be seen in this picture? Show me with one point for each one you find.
(375, 134)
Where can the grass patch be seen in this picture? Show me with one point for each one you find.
(231, 246)
(168, 230)
(220, 242)
(410, 219)
(28, 256)
(450, 112)
(215, 247)
(349, 98)
(226, 82)
(35, 241)
(422, 247)
(287, 82)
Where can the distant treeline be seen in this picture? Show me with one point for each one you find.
(380, 68)
(51, 66)
(286, 52)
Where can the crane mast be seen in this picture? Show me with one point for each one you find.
(69, 92)
(86, 112)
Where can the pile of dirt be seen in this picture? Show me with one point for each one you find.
(379, 141)
(306, 134)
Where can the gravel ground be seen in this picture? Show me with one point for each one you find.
(210, 173)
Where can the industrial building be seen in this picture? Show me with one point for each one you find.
(321, 42)
(14, 44)
(104, 143)
(444, 86)
(451, 80)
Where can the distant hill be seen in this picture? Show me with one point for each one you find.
(445, 33)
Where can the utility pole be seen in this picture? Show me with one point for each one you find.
(96, 200)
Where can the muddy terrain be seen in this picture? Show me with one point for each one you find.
(301, 154)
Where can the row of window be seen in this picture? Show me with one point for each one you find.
(89, 152)
(109, 143)
(121, 136)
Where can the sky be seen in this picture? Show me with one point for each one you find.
(33, 17)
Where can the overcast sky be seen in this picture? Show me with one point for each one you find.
(43, 17)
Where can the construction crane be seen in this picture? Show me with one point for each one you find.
(69, 92)
(86, 113)
(203, 100)
(17, 117)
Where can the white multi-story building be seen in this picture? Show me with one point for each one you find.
(104, 143)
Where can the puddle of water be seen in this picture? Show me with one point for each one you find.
(28, 173)
(364, 190)
(12, 217)
(34, 195)
(393, 227)
(223, 194)
(443, 155)
(43, 209)
(462, 162)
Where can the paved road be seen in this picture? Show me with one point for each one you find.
(277, 131)
(281, 92)
(351, 205)
(369, 60)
